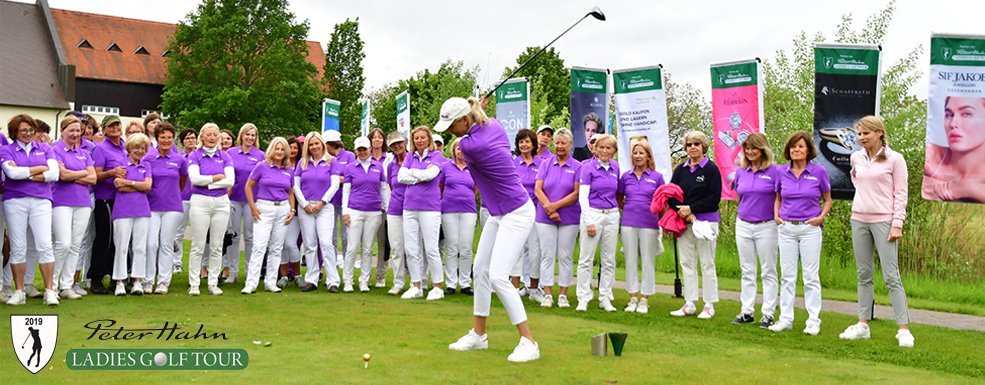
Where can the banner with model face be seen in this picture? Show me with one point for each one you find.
(403, 113)
(846, 88)
(364, 115)
(641, 111)
(330, 115)
(955, 163)
(589, 107)
(513, 106)
(737, 112)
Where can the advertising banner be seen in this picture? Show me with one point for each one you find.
(330, 115)
(513, 106)
(403, 113)
(737, 112)
(641, 109)
(589, 107)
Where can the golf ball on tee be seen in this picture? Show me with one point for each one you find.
(160, 359)
(366, 357)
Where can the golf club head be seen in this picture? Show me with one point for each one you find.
(597, 13)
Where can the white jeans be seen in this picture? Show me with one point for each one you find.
(529, 263)
(85, 251)
(422, 226)
(35, 213)
(209, 216)
(132, 232)
(241, 220)
(757, 241)
(341, 231)
(268, 234)
(316, 233)
(363, 226)
(69, 228)
(606, 237)
(499, 247)
(179, 238)
(395, 232)
(459, 229)
(800, 243)
(640, 247)
(291, 252)
(556, 241)
(692, 249)
(160, 244)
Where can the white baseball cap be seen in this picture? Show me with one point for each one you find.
(438, 138)
(391, 139)
(452, 110)
(544, 127)
(361, 142)
(331, 136)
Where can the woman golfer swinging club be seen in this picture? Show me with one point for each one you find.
(36, 348)
(487, 152)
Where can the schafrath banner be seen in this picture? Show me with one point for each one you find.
(513, 106)
(955, 125)
(641, 109)
(589, 107)
(846, 88)
(737, 112)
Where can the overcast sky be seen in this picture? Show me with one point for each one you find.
(403, 37)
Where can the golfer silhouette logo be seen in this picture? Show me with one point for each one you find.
(34, 337)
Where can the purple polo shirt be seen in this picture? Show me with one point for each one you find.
(209, 165)
(316, 178)
(4, 141)
(424, 196)
(243, 163)
(271, 183)
(88, 145)
(527, 172)
(364, 193)
(186, 193)
(70, 193)
(559, 181)
(545, 156)
(133, 204)
(800, 197)
(397, 190)
(38, 156)
(638, 193)
(166, 193)
(604, 183)
(487, 151)
(108, 156)
(343, 160)
(458, 195)
(757, 193)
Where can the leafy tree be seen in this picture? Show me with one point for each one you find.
(548, 75)
(687, 110)
(344, 74)
(238, 61)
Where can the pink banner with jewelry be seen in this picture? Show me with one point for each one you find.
(737, 112)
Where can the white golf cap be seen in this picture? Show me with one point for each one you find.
(361, 142)
(331, 136)
(395, 137)
(544, 127)
(438, 138)
(452, 110)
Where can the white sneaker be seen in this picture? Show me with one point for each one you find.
(176, 269)
(905, 338)
(193, 291)
(707, 312)
(282, 282)
(248, 290)
(632, 305)
(121, 289)
(643, 307)
(50, 297)
(381, 283)
(606, 305)
(69, 294)
(562, 302)
(272, 288)
(78, 289)
(436, 293)
(231, 278)
(470, 341)
(548, 301)
(31, 291)
(858, 331)
(413, 292)
(148, 287)
(347, 288)
(781, 326)
(364, 287)
(215, 290)
(522, 291)
(395, 290)
(812, 328)
(684, 311)
(536, 295)
(582, 306)
(526, 350)
(17, 298)
(137, 289)
(162, 288)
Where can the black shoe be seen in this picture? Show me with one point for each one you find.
(308, 287)
(743, 318)
(449, 291)
(333, 289)
(467, 291)
(98, 288)
(766, 322)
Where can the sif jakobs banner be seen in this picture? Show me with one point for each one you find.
(589, 107)
(955, 162)
(846, 88)
(641, 110)
(513, 106)
(737, 112)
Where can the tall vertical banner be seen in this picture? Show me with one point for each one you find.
(737, 112)
(364, 115)
(955, 162)
(513, 106)
(589, 107)
(403, 113)
(641, 111)
(330, 115)
(846, 88)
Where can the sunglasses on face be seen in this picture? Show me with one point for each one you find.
(693, 144)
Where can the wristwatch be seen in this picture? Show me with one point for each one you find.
(133, 183)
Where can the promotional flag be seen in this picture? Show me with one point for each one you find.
(513, 106)
(589, 107)
(403, 113)
(737, 112)
(641, 108)
(330, 115)
(364, 117)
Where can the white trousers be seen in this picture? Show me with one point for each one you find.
(459, 229)
(268, 234)
(363, 226)
(800, 243)
(316, 233)
(241, 220)
(291, 252)
(606, 237)
(33, 213)
(757, 241)
(340, 234)
(160, 244)
(499, 247)
(132, 232)
(208, 216)
(180, 236)
(69, 228)
(422, 226)
(85, 251)
(692, 249)
(640, 248)
(557, 246)
(529, 263)
(395, 232)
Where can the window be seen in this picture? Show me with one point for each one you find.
(100, 110)
(114, 48)
(144, 113)
(84, 44)
(141, 51)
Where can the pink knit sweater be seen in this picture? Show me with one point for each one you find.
(880, 188)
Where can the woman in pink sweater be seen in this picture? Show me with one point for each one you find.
(878, 211)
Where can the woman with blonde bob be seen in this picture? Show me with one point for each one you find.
(131, 216)
(640, 231)
(245, 157)
(599, 223)
(73, 206)
(422, 214)
(315, 183)
(211, 172)
(269, 193)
